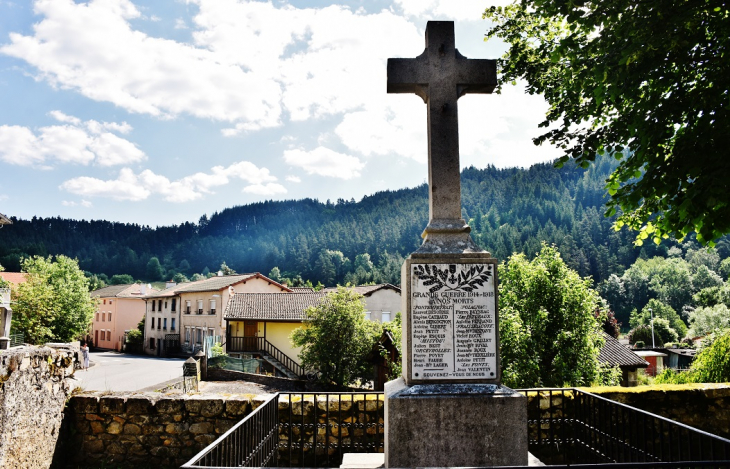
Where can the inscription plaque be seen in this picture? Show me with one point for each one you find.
(453, 322)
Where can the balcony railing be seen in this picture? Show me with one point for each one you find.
(212, 311)
(567, 428)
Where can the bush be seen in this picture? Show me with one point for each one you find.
(662, 333)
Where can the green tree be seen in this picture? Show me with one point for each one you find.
(54, 303)
(646, 81)
(227, 270)
(336, 339)
(704, 320)
(659, 310)
(154, 270)
(121, 279)
(712, 363)
(663, 333)
(549, 335)
(275, 274)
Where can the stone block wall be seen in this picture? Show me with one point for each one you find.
(34, 386)
(150, 429)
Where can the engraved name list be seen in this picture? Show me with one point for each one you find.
(453, 323)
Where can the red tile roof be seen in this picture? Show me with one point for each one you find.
(13, 277)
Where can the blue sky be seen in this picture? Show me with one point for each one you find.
(157, 112)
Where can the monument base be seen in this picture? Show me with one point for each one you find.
(452, 425)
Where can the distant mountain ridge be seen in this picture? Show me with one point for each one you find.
(509, 210)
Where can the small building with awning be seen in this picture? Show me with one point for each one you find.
(613, 353)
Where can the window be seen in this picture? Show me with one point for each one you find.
(174, 300)
(212, 306)
(152, 344)
(172, 325)
(103, 315)
(108, 335)
(153, 323)
(164, 324)
(367, 315)
(159, 305)
(110, 301)
(200, 306)
(153, 306)
(97, 317)
(187, 336)
(386, 316)
(104, 301)
(187, 307)
(110, 317)
(199, 334)
(165, 304)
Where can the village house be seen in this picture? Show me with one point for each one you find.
(181, 317)
(615, 353)
(259, 325)
(120, 308)
(6, 311)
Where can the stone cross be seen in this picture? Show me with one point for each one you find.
(441, 75)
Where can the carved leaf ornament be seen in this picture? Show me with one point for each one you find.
(448, 280)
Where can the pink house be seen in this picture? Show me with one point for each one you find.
(120, 309)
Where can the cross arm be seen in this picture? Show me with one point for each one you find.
(475, 76)
(408, 76)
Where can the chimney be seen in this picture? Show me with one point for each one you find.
(220, 273)
(170, 284)
(143, 289)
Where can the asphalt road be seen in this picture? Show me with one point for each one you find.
(113, 371)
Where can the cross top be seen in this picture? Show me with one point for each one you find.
(440, 76)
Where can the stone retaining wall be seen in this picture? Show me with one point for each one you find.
(151, 429)
(34, 386)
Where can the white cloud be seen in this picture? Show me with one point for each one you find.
(92, 48)
(61, 117)
(82, 203)
(3, 197)
(126, 187)
(325, 162)
(76, 142)
(294, 179)
(180, 24)
(265, 189)
(463, 10)
(136, 187)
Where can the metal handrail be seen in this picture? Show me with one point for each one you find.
(316, 429)
(281, 357)
(252, 442)
(261, 345)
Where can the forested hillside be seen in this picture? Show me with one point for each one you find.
(510, 210)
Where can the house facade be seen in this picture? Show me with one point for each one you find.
(120, 308)
(6, 311)
(260, 324)
(190, 312)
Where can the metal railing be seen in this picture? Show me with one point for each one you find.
(307, 430)
(17, 338)
(252, 442)
(570, 426)
(261, 345)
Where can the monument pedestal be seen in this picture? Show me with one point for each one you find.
(448, 425)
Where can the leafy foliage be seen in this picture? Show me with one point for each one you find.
(395, 328)
(711, 365)
(336, 339)
(549, 335)
(708, 319)
(53, 305)
(659, 310)
(645, 81)
(663, 333)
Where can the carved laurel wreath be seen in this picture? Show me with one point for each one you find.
(467, 280)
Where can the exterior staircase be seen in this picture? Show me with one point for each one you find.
(279, 366)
